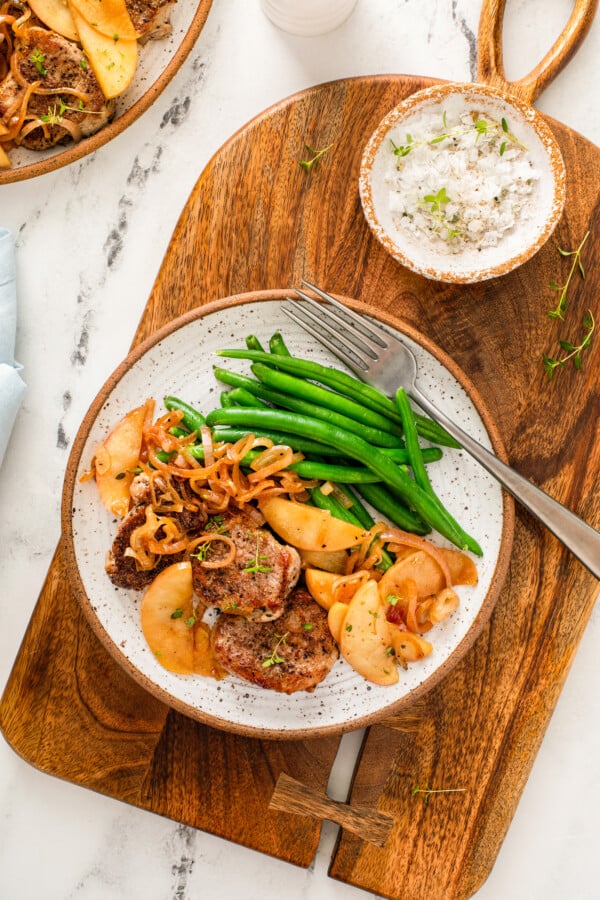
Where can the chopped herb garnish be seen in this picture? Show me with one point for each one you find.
(426, 791)
(559, 310)
(308, 626)
(177, 614)
(307, 164)
(191, 621)
(274, 657)
(38, 58)
(480, 127)
(572, 351)
(256, 566)
(202, 551)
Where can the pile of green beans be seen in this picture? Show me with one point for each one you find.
(349, 433)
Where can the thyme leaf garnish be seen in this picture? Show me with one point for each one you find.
(572, 351)
(559, 311)
(307, 164)
(427, 792)
(274, 658)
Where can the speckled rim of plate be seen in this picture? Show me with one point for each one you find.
(60, 156)
(438, 269)
(80, 458)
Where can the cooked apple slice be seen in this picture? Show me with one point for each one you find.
(168, 618)
(409, 647)
(109, 17)
(56, 15)
(331, 561)
(335, 620)
(4, 160)
(426, 573)
(113, 61)
(116, 458)
(309, 528)
(366, 640)
(320, 586)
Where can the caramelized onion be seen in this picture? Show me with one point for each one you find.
(208, 537)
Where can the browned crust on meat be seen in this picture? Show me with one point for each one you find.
(293, 654)
(61, 64)
(122, 570)
(257, 582)
(150, 17)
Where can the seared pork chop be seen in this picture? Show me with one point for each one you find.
(293, 654)
(258, 580)
(56, 63)
(122, 570)
(150, 18)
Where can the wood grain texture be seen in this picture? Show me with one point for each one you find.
(490, 63)
(68, 709)
(223, 783)
(291, 796)
(256, 220)
(295, 226)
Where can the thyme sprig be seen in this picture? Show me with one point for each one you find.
(274, 658)
(55, 113)
(307, 164)
(559, 311)
(427, 792)
(482, 127)
(572, 351)
(256, 566)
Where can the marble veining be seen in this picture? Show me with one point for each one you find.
(90, 239)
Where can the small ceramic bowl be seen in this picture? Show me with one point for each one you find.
(460, 202)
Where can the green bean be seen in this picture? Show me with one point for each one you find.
(417, 463)
(277, 345)
(243, 397)
(307, 408)
(345, 384)
(305, 445)
(333, 505)
(412, 441)
(308, 390)
(323, 471)
(362, 514)
(226, 400)
(178, 432)
(192, 418)
(253, 343)
(308, 445)
(372, 457)
(382, 500)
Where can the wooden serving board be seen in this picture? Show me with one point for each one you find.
(257, 220)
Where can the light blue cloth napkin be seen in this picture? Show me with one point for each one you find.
(12, 386)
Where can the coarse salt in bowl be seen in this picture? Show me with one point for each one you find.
(461, 184)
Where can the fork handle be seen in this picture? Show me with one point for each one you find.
(579, 537)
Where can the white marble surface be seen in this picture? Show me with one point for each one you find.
(89, 241)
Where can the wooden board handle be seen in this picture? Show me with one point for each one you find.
(291, 796)
(490, 66)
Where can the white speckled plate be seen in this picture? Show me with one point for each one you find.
(159, 60)
(178, 360)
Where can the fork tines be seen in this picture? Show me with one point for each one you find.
(347, 334)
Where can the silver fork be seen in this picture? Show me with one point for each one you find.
(386, 363)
